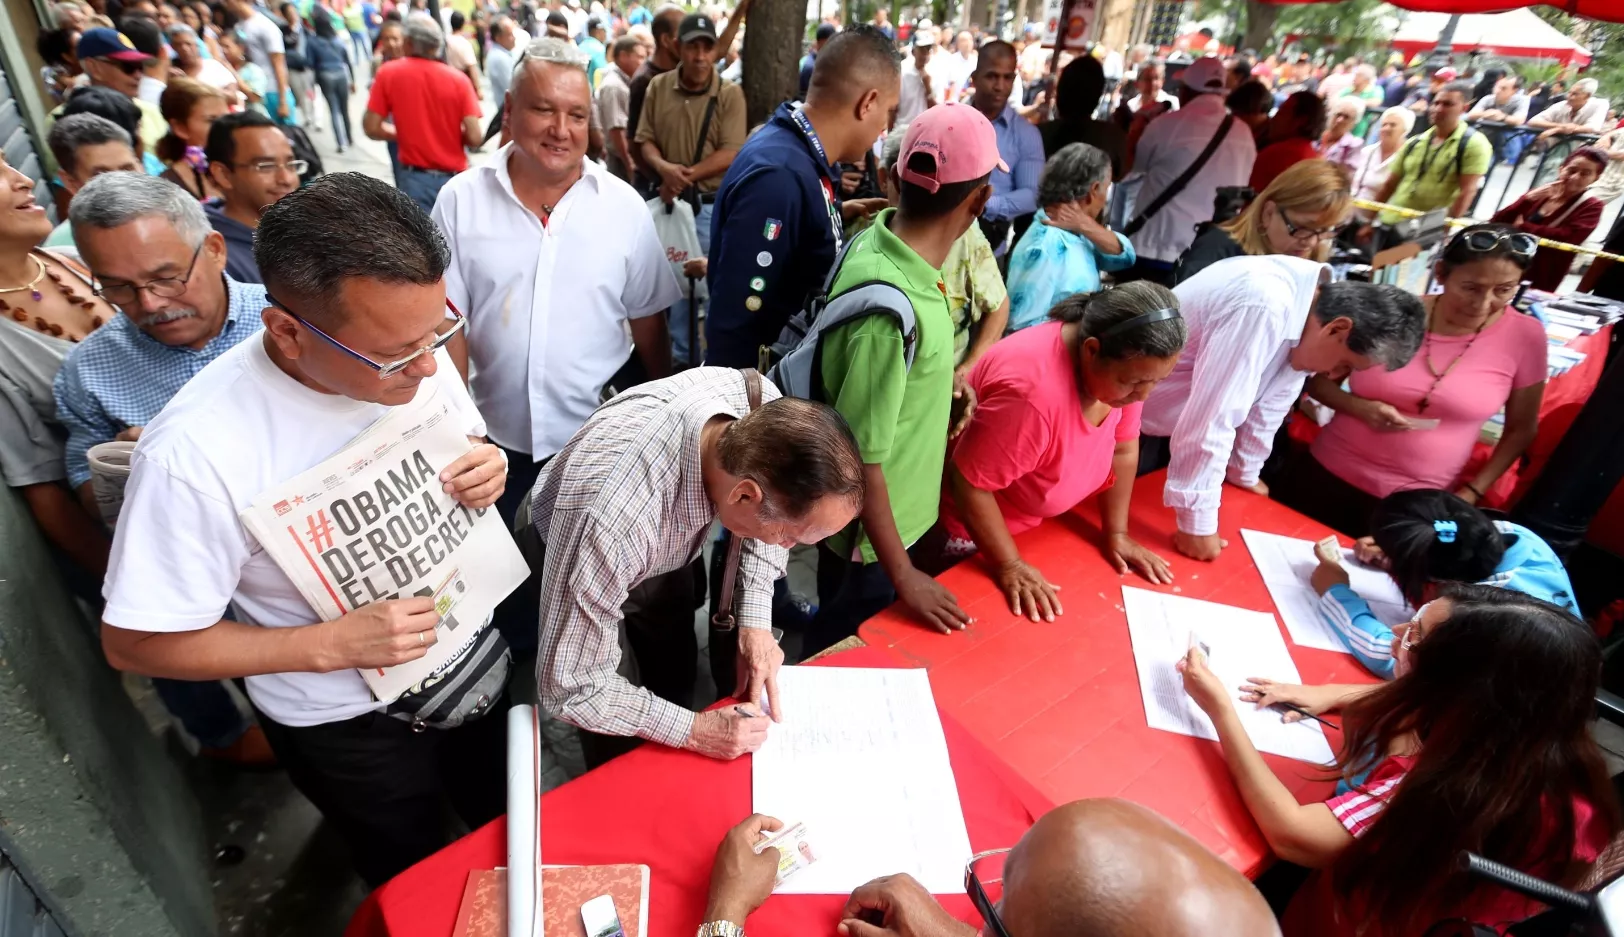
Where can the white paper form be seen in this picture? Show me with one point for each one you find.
(860, 758)
(1244, 644)
(1287, 562)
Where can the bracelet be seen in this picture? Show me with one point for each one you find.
(1473, 489)
(720, 929)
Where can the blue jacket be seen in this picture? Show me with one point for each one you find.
(1529, 567)
(772, 240)
(326, 55)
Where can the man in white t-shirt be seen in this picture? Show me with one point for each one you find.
(351, 300)
(555, 261)
(922, 79)
(262, 41)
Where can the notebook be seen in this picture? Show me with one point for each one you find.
(564, 889)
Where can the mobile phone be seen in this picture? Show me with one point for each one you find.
(600, 918)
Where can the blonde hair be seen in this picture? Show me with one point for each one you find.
(1312, 187)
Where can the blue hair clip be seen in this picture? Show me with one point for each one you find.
(1446, 531)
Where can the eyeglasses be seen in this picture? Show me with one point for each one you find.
(388, 369)
(127, 294)
(267, 166)
(1300, 233)
(1482, 241)
(983, 870)
(1412, 632)
(128, 68)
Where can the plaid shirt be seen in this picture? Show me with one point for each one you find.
(622, 501)
(120, 376)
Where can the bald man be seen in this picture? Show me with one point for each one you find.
(1020, 144)
(1101, 868)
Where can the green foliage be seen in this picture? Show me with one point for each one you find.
(1604, 40)
(1350, 27)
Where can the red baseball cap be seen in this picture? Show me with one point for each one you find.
(958, 138)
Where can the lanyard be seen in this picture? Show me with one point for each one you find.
(805, 126)
(830, 203)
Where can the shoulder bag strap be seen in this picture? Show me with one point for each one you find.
(723, 620)
(1177, 185)
(692, 193)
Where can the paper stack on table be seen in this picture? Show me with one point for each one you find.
(1243, 644)
(1287, 562)
(861, 760)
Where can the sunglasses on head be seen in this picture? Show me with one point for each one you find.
(1484, 241)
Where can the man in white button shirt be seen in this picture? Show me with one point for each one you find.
(922, 80)
(1170, 145)
(355, 268)
(553, 260)
(1258, 326)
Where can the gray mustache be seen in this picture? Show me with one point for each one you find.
(168, 315)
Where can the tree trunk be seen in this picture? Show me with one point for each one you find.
(1260, 19)
(772, 55)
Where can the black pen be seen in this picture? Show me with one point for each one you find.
(1305, 713)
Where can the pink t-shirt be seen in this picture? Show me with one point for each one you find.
(1508, 355)
(1029, 442)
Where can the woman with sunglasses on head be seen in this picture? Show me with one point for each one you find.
(1562, 211)
(1298, 214)
(1415, 427)
(1480, 743)
(1057, 420)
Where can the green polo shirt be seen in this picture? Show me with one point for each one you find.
(898, 415)
(1428, 178)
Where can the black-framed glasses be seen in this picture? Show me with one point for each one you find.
(984, 883)
(1299, 232)
(1482, 241)
(267, 166)
(127, 294)
(386, 369)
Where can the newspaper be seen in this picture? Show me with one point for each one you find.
(109, 470)
(373, 522)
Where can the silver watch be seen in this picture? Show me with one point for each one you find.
(720, 929)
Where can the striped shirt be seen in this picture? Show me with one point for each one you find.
(120, 377)
(1358, 809)
(1234, 384)
(625, 500)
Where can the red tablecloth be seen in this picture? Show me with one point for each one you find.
(1060, 702)
(668, 809)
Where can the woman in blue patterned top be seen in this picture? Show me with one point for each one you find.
(1067, 246)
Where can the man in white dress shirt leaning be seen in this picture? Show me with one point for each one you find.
(1258, 326)
(553, 260)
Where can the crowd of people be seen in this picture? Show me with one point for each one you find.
(1019, 312)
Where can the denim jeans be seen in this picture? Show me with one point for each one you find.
(679, 310)
(335, 87)
(204, 709)
(421, 185)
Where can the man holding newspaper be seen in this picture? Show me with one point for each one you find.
(222, 509)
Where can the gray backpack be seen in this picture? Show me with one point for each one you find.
(794, 363)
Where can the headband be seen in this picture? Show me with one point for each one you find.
(1160, 315)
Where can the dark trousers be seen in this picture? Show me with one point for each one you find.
(516, 616)
(1156, 271)
(204, 709)
(335, 87)
(1308, 487)
(384, 787)
(1155, 452)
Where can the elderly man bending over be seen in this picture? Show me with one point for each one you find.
(623, 511)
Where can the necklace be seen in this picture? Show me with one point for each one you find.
(31, 285)
(42, 324)
(1426, 357)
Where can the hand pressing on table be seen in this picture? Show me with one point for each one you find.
(902, 907)
(931, 601)
(758, 661)
(1203, 547)
(725, 734)
(1126, 554)
(1028, 592)
(1316, 699)
(741, 879)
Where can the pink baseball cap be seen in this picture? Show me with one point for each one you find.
(958, 138)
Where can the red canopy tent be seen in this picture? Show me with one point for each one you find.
(1611, 11)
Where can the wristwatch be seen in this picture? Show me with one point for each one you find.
(720, 929)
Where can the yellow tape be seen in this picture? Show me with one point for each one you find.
(1464, 222)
